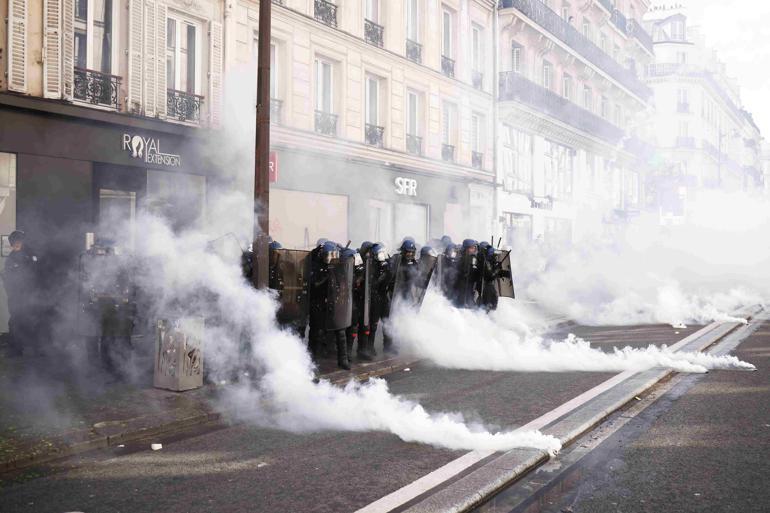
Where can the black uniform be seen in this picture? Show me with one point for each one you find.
(358, 332)
(20, 280)
(380, 293)
(468, 284)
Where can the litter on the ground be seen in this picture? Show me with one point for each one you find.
(156, 447)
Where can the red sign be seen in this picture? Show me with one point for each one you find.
(273, 167)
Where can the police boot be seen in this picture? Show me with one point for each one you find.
(342, 357)
(364, 349)
(349, 349)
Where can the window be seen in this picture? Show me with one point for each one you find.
(182, 55)
(677, 30)
(605, 107)
(372, 101)
(517, 160)
(603, 42)
(588, 98)
(324, 85)
(558, 170)
(412, 113)
(412, 20)
(273, 71)
(565, 13)
(372, 12)
(681, 96)
(567, 86)
(478, 48)
(449, 116)
(518, 229)
(587, 29)
(7, 214)
(447, 35)
(618, 115)
(516, 50)
(93, 43)
(547, 75)
(616, 52)
(477, 133)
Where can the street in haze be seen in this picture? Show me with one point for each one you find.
(384, 256)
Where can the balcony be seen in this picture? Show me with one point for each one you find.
(641, 35)
(447, 153)
(183, 106)
(413, 51)
(414, 144)
(477, 160)
(567, 34)
(276, 106)
(278, 2)
(447, 66)
(326, 12)
(374, 135)
(683, 107)
(478, 79)
(325, 123)
(373, 33)
(96, 88)
(620, 21)
(685, 142)
(607, 4)
(514, 87)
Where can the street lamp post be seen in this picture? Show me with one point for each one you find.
(262, 152)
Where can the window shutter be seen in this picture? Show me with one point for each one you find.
(135, 38)
(17, 45)
(68, 48)
(150, 58)
(161, 100)
(52, 42)
(215, 74)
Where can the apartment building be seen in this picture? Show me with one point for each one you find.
(382, 117)
(570, 111)
(104, 108)
(705, 136)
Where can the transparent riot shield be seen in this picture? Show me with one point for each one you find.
(426, 267)
(368, 285)
(339, 313)
(505, 282)
(294, 268)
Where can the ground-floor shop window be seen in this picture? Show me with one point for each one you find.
(180, 198)
(518, 229)
(117, 217)
(7, 219)
(411, 220)
(298, 219)
(381, 221)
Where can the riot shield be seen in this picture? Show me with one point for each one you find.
(426, 267)
(437, 279)
(504, 283)
(294, 266)
(467, 281)
(339, 313)
(400, 280)
(368, 285)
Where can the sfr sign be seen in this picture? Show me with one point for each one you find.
(406, 186)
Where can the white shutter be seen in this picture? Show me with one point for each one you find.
(135, 38)
(52, 42)
(68, 48)
(160, 77)
(17, 45)
(150, 58)
(215, 74)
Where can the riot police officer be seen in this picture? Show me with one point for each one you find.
(316, 299)
(275, 280)
(492, 271)
(359, 330)
(380, 293)
(450, 269)
(469, 276)
(404, 272)
(20, 280)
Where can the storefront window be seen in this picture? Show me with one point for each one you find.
(381, 221)
(558, 170)
(180, 198)
(518, 229)
(117, 217)
(7, 218)
(411, 221)
(517, 160)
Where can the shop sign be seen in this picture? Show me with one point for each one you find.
(406, 186)
(273, 167)
(147, 149)
(542, 203)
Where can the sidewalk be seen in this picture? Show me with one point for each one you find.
(49, 413)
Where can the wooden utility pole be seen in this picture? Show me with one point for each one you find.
(262, 152)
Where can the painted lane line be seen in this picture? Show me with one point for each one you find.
(453, 468)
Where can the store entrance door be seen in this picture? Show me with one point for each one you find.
(117, 192)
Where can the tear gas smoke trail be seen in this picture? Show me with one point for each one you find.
(196, 282)
(502, 341)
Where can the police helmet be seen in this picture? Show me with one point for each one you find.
(408, 245)
(321, 242)
(275, 245)
(365, 247)
(470, 246)
(408, 238)
(16, 236)
(379, 252)
(346, 253)
(429, 251)
(329, 252)
(446, 240)
(451, 251)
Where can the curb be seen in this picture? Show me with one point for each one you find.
(484, 482)
(366, 371)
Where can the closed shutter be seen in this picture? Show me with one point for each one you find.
(215, 74)
(52, 46)
(150, 58)
(68, 48)
(160, 77)
(17, 45)
(135, 38)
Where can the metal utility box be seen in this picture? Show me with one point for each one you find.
(179, 354)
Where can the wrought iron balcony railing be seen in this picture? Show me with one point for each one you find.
(641, 35)
(276, 107)
(326, 12)
(96, 88)
(325, 123)
(279, 2)
(375, 135)
(183, 106)
(414, 144)
(566, 33)
(477, 160)
(620, 21)
(685, 142)
(413, 51)
(607, 4)
(683, 107)
(447, 153)
(447, 66)
(514, 87)
(373, 33)
(478, 79)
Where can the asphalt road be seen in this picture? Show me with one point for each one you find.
(246, 468)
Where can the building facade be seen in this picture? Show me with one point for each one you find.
(571, 102)
(382, 117)
(704, 135)
(104, 105)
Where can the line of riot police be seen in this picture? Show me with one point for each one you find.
(341, 295)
